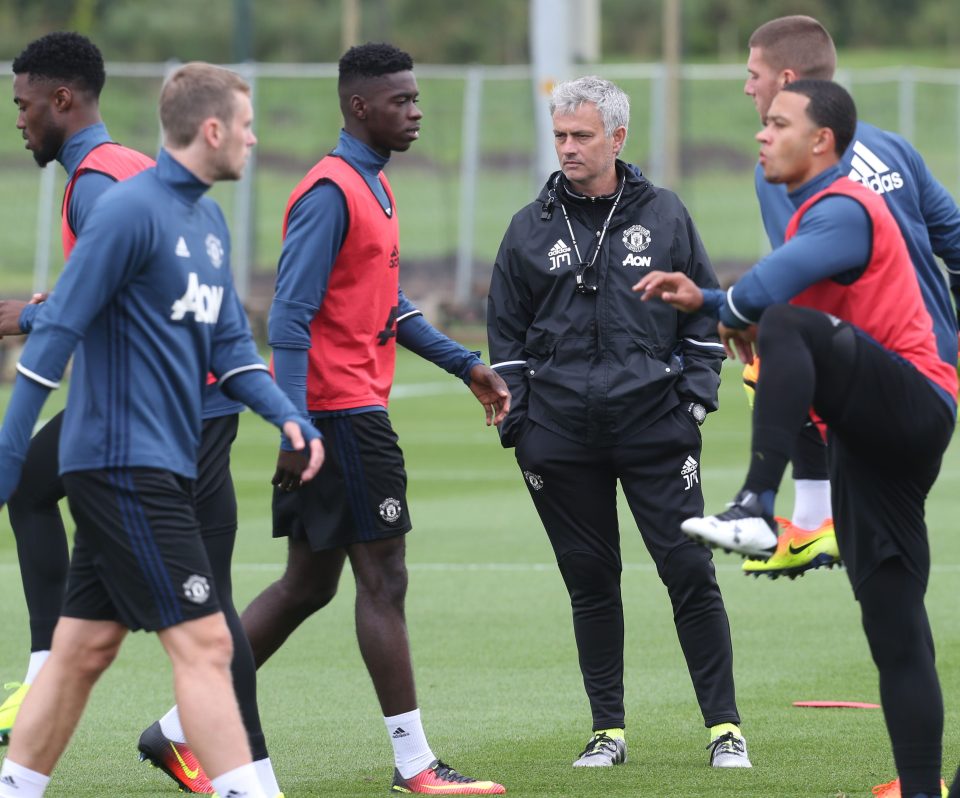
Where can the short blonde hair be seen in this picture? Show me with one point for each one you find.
(195, 92)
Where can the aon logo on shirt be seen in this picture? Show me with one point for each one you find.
(637, 260)
(203, 301)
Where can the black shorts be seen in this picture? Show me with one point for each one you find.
(888, 430)
(138, 557)
(360, 494)
(215, 498)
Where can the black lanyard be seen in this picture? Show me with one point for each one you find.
(581, 286)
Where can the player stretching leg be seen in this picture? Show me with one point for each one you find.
(858, 346)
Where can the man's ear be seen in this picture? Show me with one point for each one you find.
(619, 136)
(824, 141)
(358, 106)
(787, 76)
(62, 98)
(211, 129)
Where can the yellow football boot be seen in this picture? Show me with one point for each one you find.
(798, 551)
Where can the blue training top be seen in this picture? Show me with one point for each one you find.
(834, 237)
(316, 229)
(926, 213)
(86, 191)
(149, 304)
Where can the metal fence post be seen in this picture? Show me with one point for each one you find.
(244, 217)
(658, 125)
(469, 161)
(41, 254)
(906, 101)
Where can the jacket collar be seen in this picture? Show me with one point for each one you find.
(635, 185)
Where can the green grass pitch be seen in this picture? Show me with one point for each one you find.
(493, 647)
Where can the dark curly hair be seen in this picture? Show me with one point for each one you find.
(373, 59)
(64, 56)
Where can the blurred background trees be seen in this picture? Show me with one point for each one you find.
(457, 31)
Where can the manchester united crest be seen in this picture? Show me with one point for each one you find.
(535, 481)
(214, 250)
(196, 589)
(636, 238)
(390, 510)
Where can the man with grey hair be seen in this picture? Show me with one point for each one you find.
(606, 389)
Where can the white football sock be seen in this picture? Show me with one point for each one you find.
(243, 780)
(170, 726)
(37, 658)
(17, 781)
(811, 503)
(411, 753)
(268, 779)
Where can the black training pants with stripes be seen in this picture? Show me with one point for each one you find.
(574, 489)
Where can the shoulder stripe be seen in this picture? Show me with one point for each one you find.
(409, 315)
(507, 364)
(36, 377)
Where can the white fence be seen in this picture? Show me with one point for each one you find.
(476, 162)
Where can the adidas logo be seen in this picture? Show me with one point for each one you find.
(867, 168)
(181, 251)
(689, 467)
(9, 782)
(559, 248)
(399, 732)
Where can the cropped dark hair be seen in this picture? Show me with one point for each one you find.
(799, 43)
(371, 60)
(64, 56)
(830, 106)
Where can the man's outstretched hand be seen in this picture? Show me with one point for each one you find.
(674, 288)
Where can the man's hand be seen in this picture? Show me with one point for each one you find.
(491, 391)
(10, 310)
(294, 468)
(738, 342)
(290, 466)
(674, 288)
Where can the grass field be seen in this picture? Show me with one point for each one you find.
(496, 665)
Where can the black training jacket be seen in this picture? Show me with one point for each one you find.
(597, 369)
